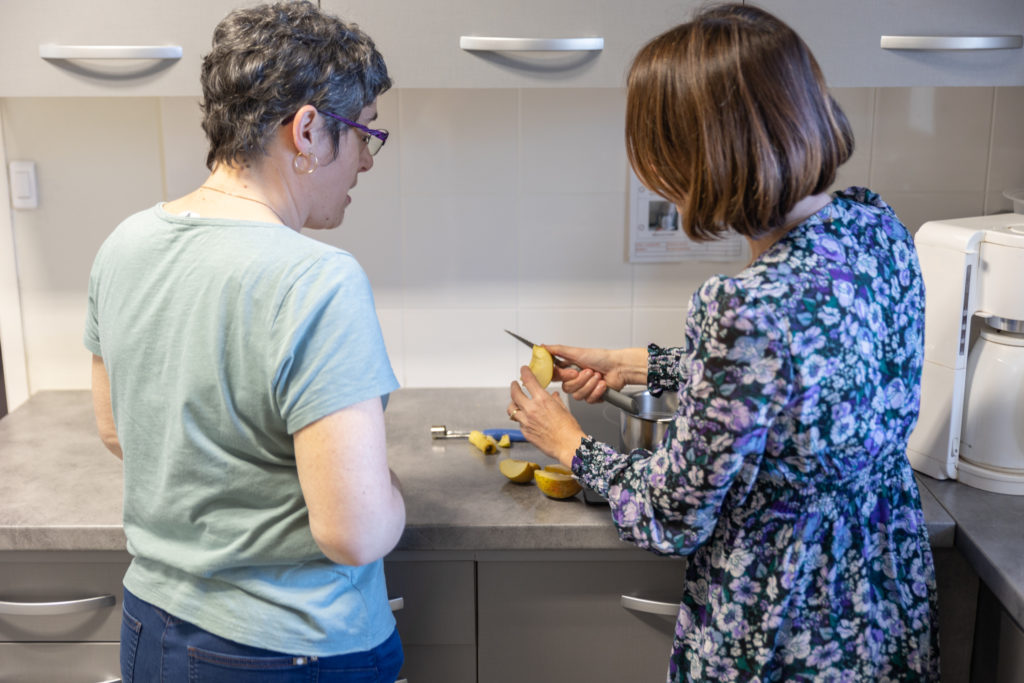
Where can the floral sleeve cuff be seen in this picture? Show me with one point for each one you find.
(595, 464)
(663, 369)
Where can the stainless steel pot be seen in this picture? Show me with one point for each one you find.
(647, 428)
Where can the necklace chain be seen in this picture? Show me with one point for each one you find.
(242, 196)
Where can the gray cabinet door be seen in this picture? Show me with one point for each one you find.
(59, 662)
(564, 620)
(436, 619)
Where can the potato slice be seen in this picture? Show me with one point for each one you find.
(519, 471)
(555, 482)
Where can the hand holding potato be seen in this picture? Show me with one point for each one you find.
(544, 419)
(602, 369)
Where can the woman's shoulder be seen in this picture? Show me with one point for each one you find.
(860, 207)
(754, 302)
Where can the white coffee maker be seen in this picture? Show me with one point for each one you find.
(971, 425)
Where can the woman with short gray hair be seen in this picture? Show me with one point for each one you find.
(239, 371)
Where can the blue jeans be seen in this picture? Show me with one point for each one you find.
(159, 648)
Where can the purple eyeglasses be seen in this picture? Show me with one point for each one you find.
(374, 139)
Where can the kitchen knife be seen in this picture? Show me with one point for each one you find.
(616, 398)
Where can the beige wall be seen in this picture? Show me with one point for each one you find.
(487, 209)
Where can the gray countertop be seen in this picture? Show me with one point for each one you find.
(989, 534)
(61, 490)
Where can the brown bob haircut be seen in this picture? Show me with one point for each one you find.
(728, 117)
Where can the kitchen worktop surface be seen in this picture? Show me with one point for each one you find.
(61, 489)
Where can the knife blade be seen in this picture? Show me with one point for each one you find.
(616, 398)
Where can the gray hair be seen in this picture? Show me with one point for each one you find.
(268, 61)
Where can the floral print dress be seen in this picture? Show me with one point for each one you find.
(784, 474)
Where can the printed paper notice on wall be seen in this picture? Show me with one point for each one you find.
(656, 236)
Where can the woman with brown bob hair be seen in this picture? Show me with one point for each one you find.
(728, 134)
(783, 475)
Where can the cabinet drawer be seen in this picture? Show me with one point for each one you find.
(564, 620)
(439, 664)
(59, 662)
(48, 598)
(438, 601)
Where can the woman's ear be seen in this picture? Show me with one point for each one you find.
(303, 129)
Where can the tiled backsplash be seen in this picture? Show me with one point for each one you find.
(487, 209)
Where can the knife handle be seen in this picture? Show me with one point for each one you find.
(616, 398)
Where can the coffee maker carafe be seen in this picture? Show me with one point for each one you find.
(971, 424)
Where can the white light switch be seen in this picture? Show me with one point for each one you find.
(23, 185)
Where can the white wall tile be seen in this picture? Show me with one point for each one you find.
(572, 251)
(672, 284)
(458, 140)
(184, 145)
(460, 251)
(917, 208)
(661, 326)
(97, 161)
(458, 348)
(573, 140)
(599, 327)
(1006, 163)
(859, 106)
(931, 139)
(54, 322)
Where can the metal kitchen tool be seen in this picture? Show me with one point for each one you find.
(616, 398)
(442, 432)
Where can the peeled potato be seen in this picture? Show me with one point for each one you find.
(519, 471)
(556, 482)
(542, 365)
(505, 441)
(485, 443)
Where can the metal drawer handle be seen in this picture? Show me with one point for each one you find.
(49, 609)
(495, 44)
(112, 680)
(952, 42)
(396, 604)
(669, 609)
(52, 51)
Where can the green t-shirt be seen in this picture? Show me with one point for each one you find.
(221, 339)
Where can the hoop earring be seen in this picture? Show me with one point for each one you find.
(305, 164)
